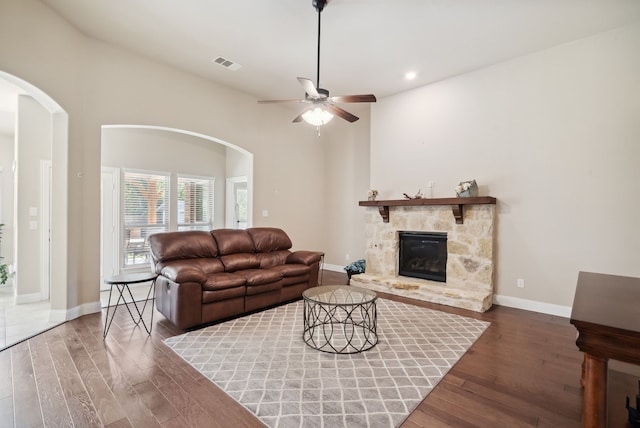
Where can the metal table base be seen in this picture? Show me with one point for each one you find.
(122, 283)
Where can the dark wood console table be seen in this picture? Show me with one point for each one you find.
(606, 312)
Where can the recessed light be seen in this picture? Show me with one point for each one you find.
(410, 75)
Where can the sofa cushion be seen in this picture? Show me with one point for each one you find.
(232, 241)
(235, 262)
(273, 258)
(291, 280)
(293, 269)
(224, 294)
(222, 286)
(166, 246)
(272, 287)
(219, 281)
(205, 265)
(259, 276)
(268, 239)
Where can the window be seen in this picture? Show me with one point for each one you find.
(145, 212)
(195, 203)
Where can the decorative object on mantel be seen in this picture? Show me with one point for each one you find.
(417, 196)
(372, 194)
(467, 189)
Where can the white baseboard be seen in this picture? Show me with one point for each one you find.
(21, 299)
(334, 268)
(532, 305)
(62, 315)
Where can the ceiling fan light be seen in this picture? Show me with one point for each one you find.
(317, 116)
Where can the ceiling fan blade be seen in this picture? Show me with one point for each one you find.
(342, 113)
(367, 98)
(309, 87)
(281, 101)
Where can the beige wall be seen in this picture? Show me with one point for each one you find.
(33, 135)
(6, 216)
(167, 151)
(346, 182)
(97, 85)
(554, 136)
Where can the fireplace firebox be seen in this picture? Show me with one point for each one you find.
(423, 255)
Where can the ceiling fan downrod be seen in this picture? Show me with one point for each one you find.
(319, 6)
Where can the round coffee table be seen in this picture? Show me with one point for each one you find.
(340, 319)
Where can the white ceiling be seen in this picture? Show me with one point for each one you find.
(367, 45)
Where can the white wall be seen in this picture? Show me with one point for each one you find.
(554, 136)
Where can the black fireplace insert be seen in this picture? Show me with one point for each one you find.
(423, 255)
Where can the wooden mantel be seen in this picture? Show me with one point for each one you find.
(456, 204)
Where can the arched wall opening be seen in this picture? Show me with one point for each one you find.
(54, 285)
(170, 152)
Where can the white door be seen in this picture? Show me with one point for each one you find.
(108, 224)
(237, 203)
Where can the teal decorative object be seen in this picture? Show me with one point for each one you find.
(467, 189)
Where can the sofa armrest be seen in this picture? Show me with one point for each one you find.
(180, 274)
(305, 257)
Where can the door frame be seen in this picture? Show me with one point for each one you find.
(230, 201)
(45, 228)
(113, 199)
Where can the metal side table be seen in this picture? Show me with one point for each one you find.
(122, 283)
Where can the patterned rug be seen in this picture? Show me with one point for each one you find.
(262, 362)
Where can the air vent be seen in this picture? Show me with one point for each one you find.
(221, 61)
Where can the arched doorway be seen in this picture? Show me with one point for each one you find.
(172, 156)
(37, 226)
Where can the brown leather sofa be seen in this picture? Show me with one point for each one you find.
(209, 276)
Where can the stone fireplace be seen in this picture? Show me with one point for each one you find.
(469, 243)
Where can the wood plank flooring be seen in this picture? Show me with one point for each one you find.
(524, 371)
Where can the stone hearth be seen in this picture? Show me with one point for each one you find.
(470, 262)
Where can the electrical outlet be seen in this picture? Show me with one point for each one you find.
(346, 257)
(520, 283)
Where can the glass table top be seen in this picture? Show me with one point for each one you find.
(339, 295)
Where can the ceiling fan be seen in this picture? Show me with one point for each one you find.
(323, 107)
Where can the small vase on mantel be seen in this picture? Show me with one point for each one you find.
(467, 189)
(372, 194)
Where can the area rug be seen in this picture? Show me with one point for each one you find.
(262, 362)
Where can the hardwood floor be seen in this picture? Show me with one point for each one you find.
(524, 371)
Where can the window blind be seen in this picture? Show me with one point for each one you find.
(145, 212)
(195, 203)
